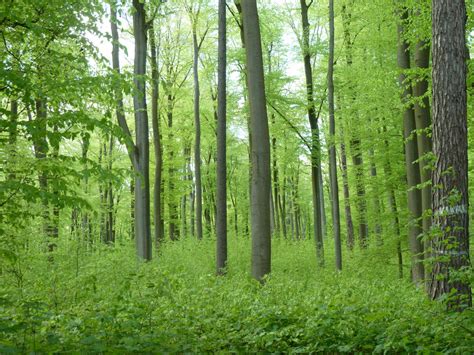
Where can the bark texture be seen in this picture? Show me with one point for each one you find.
(221, 205)
(411, 157)
(157, 146)
(261, 180)
(332, 150)
(449, 178)
(315, 143)
(142, 180)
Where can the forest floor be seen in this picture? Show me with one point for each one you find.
(107, 302)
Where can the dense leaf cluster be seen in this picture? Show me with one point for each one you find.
(107, 302)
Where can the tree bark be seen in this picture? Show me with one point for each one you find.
(157, 146)
(449, 179)
(142, 181)
(423, 125)
(261, 180)
(332, 147)
(221, 206)
(197, 128)
(315, 143)
(411, 157)
(347, 203)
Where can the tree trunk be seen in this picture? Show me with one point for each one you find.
(423, 125)
(261, 180)
(221, 205)
(173, 209)
(376, 200)
(120, 113)
(158, 149)
(411, 157)
(449, 178)
(347, 203)
(197, 142)
(41, 150)
(315, 143)
(142, 181)
(12, 140)
(332, 148)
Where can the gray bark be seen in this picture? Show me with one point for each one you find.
(261, 180)
(332, 148)
(157, 146)
(423, 125)
(411, 156)
(197, 142)
(450, 180)
(142, 180)
(315, 143)
(347, 203)
(221, 205)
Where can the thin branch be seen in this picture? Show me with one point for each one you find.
(295, 129)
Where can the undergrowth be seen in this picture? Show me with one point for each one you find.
(108, 302)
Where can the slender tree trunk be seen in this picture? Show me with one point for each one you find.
(221, 206)
(12, 140)
(132, 204)
(261, 180)
(347, 203)
(110, 202)
(355, 143)
(315, 143)
(172, 207)
(120, 113)
(411, 157)
(197, 142)
(376, 200)
(332, 148)
(423, 125)
(41, 151)
(142, 181)
(157, 147)
(449, 178)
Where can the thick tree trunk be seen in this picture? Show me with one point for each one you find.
(221, 206)
(449, 179)
(142, 181)
(157, 147)
(315, 143)
(411, 157)
(261, 180)
(332, 148)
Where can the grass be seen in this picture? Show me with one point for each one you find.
(108, 302)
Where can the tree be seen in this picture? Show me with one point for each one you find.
(449, 177)
(157, 146)
(221, 217)
(332, 147)
(315, 143)
(194, 15)
(260, 153)
(411, 156)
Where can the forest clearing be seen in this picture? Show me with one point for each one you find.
(236, 176)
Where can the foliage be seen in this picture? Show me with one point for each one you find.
(108, 302)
